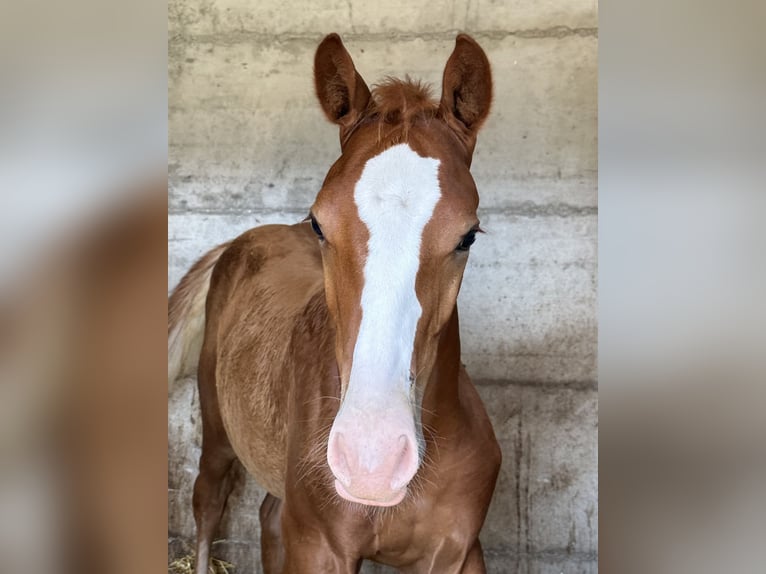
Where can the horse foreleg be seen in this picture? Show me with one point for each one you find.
(272, 550)
(312, 559)
(308, 551)
(452, 559)
(211, 489)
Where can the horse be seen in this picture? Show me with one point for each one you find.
(328, 351)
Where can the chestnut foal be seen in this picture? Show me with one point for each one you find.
(329, 350)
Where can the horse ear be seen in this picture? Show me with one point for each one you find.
(340, 89)
(466, 88)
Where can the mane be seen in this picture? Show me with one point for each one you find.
(396, 105)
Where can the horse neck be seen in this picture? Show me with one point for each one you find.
(441, 399)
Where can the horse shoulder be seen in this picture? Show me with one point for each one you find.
(260, 287)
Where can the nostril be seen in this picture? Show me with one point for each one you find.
(406, 464)
(337, 459)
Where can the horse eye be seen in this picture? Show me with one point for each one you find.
(467, 241)
(316, 228)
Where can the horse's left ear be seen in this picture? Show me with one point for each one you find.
(466, 89)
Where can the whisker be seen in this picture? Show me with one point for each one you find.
(321, 398)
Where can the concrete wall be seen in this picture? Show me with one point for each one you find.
(249, 145)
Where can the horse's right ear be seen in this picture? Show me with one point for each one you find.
(339, 87)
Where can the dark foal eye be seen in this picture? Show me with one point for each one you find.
(467, 241)
(315, 227)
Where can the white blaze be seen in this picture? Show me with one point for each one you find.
(395, 196)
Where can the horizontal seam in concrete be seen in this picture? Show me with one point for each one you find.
(523, 209)
(540, 354)
(554, 385)
(530, 209)
(485, 177)
(233, 542)
(542, 555)
(243, 36)
(246, 211)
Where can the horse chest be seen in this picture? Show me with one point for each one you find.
(424, 536)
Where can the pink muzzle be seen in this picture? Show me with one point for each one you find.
(373, 458)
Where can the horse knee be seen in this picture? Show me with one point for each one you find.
(213, 485)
